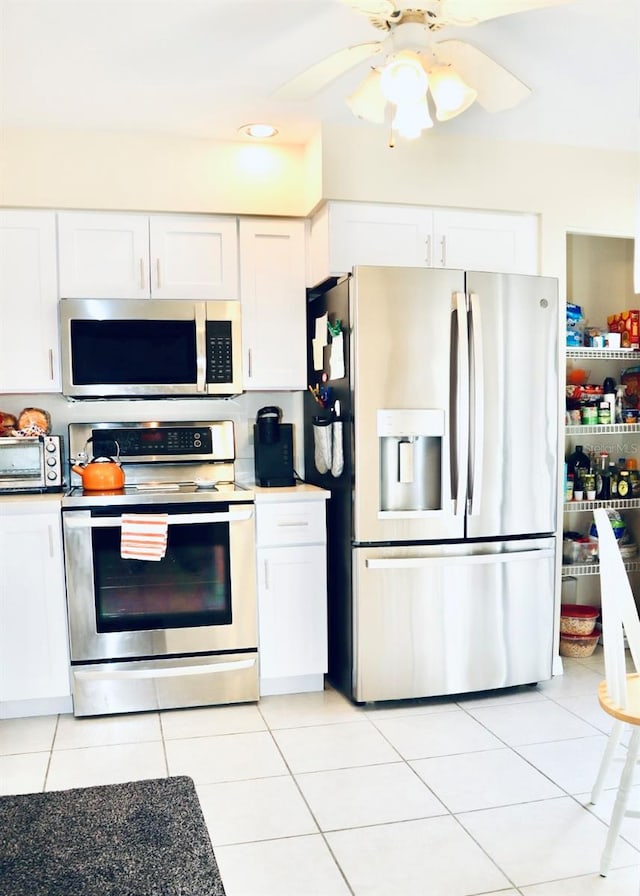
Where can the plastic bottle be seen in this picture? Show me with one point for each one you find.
(613, 481)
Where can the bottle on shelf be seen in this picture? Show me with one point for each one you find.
(613, 481)
(603, 481)
(624, 485)
(578, 460)
(634, 477)
(619, 414)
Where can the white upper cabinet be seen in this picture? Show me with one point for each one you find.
(194, 257)
(273, 297)
(485, 241)
(103, 255)
(345, 234)
(30, 357)
(107, 255)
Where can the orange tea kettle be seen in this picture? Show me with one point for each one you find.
(101, 473)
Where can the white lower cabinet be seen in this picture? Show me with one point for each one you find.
(34, 652)
(292, 594)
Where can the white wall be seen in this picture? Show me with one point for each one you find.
(67, 169)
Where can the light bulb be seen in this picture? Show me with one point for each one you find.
(450, 93)
(412, 118)
(404, 78)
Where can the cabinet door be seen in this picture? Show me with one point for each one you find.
(272, 292)
(30, 359)
(194, 257)
(103, 255)
(485, 241)
(292, 611)
(366, 233)
(34, 658)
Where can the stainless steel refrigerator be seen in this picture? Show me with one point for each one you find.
(442, 519)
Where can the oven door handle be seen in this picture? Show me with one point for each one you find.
(173, 519)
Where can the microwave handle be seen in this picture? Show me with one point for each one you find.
(201, 347)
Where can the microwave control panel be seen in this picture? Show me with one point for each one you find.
(219, 351)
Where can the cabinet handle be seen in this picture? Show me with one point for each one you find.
(428, 251)
(51, 364)
(443, 252)
(266, 575)
(50, 533)
(249, 365)
(142, 283)
(158, 273)
(293, 523)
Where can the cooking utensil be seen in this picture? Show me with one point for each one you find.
(101, 473)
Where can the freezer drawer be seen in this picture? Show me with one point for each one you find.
(434, 621)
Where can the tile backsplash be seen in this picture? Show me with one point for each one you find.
(242, 410)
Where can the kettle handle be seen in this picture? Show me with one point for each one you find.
(115, 442)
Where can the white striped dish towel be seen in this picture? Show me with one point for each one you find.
(143, 536)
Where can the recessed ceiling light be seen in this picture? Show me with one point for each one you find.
(258, 131)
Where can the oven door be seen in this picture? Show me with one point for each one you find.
(200, 598)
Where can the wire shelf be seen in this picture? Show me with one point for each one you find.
(602, 353)
(593, 569)
(600, 429)
(620, 504)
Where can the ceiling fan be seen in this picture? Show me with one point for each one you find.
(414, 64)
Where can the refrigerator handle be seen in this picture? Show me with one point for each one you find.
(461, 403)
(477, 440)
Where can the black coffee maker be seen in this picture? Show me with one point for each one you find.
(272, 449)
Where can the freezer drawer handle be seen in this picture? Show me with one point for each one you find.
(165, 672)
(472, 560)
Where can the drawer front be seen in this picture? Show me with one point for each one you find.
(293, 522)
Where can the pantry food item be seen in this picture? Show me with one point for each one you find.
(577, 619)
(578, 645)
(7, 423)
(33, 422)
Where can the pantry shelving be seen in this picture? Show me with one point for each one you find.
(600, 280)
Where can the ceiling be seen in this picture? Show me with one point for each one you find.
(203, 68)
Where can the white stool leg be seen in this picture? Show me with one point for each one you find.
(612, 744)
(620, 805)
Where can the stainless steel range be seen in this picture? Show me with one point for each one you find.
(176, 631)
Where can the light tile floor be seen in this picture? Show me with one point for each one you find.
(308, 794)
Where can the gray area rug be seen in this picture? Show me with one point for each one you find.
(146, 838)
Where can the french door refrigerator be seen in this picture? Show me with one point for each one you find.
(442, 520)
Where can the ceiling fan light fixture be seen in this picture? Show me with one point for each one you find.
(412, 118)
(404, 79)
(450, 93)
(258, 131)
(367, 100)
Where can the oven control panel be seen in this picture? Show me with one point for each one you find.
(156, 441)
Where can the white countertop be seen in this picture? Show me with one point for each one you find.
(302, 491)
(21, 503)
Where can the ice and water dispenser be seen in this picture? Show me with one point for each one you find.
(411, 456)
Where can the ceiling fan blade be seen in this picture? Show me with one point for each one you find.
(497, 88)
(481, 10)
(312, 80)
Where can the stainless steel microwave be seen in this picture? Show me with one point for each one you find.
(150, 348)
(30, 464)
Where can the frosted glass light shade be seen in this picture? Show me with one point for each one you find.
(404, 79)
(450, 93)
(412, 118)
(367, 100)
